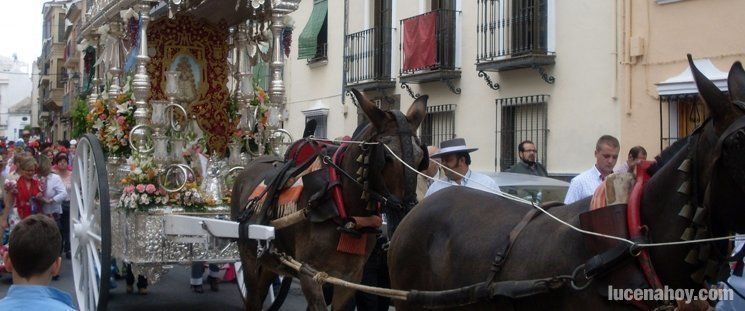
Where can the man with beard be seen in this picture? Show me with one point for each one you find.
(456, 156)
(527, 164)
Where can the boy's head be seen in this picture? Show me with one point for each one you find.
(34, 249)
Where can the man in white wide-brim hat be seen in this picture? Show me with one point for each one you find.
(455, 155)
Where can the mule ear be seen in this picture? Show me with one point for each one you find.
(736, 82)
(417, 112)
(376, 116)
(719, 105)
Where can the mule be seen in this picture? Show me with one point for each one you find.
(316, 243)
(450, 239)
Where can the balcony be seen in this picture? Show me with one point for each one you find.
(429, 48)
(513, 34)
(367, 59)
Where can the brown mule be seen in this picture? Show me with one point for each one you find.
(450, 239)
(316, 243)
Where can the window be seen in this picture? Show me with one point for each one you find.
(514, 28)
(685, 112)
(438, 125)
(321, 117)
(313, 41)
(61, 27)
(522, 118)
(61, 74)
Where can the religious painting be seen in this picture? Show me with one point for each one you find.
(197, 50)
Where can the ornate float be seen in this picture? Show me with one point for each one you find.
(174, 92)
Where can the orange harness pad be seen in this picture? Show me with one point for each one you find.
(289, 196)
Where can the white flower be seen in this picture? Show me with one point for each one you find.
(122, 108)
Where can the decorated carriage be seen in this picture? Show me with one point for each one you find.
(173, 93)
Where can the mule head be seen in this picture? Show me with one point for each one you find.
(721, 149)
(398, 132)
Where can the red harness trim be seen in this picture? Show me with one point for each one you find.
(334, 177)
(633, 215)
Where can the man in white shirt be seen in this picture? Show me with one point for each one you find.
(606, 156)
(455, 155)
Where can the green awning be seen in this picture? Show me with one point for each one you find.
(308, 41)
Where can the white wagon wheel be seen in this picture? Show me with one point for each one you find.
(90, 226)
(240, 280)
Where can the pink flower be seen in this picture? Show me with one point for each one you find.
(102, 117)
(121, 120)
(140, 188)
(129, 189)
(150, 188)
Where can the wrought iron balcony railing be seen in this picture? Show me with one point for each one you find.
(512, 34)
(445, 42)
(368, 57)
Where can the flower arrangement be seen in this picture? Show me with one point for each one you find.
(112, 126)
(141, 197)
(191, 199)
(140, 190)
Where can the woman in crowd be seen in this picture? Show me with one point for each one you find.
(20, 191)
(64, 171)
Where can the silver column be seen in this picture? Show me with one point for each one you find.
(280, 8)
(141, 82)
(115, 31)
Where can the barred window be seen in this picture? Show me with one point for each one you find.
(685, 112)
(522, 118)
(438, 125)
(321, 117)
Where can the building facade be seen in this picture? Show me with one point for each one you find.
(497, 72)
(52, 70)
(658, 95)
(15, 87)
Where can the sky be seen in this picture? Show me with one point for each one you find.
(20, 29)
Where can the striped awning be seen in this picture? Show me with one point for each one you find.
(308, 41)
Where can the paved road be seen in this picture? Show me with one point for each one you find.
(172, 292)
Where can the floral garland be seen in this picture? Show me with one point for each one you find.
(112, 126)
(191, 199)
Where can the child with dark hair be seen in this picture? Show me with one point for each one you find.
(33, 258)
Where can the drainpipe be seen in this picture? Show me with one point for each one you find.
(344, 56)
(627, 53)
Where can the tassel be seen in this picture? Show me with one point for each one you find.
(692, 257)
(364, 194)
(685, 166)
(698, 276)
(367, 159)
(685, 188)
(703, 253)
(687, 234)
(360, 171)
(711, 269)
(699, 218)
(360, 179)
(702, 233)
(360, 159)
(686, 212)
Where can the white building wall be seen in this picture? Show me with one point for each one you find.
(16, 123)
(581, 107)
(15, 85)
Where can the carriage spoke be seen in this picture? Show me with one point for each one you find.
(93, 272)
(95, 237)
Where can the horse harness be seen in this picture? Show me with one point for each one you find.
(369, 177)
(604, 262)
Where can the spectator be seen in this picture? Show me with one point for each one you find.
(33, 264)
(456, 156)
(636, 155)
(62, 169)
(584, 184)
(19, 193)
(197, 274)
(527, 165)
(54, 192)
